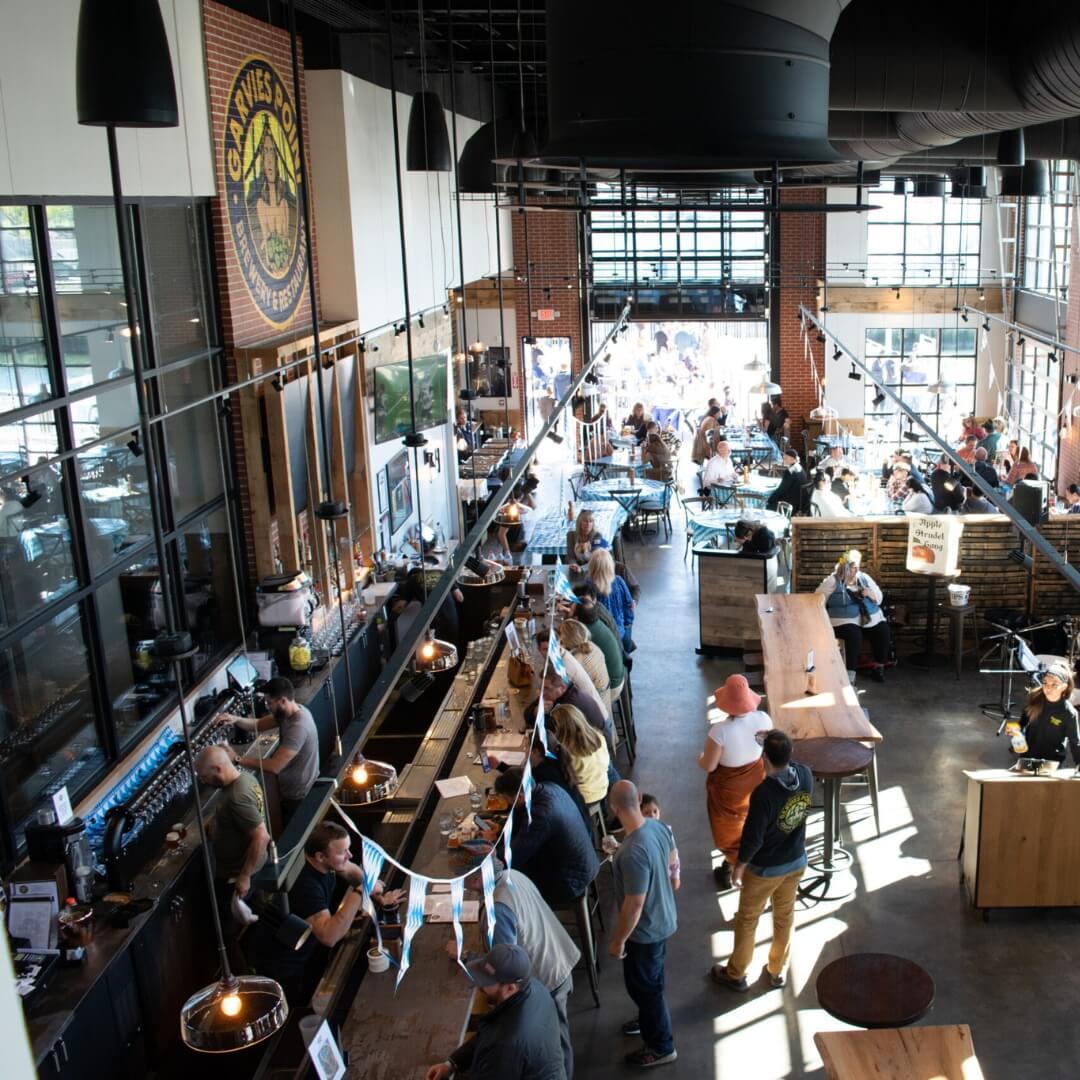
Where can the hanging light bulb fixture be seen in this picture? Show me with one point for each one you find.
(508, 514)
(435, 654)
(769, 389)
(754, 365)
(367, 782)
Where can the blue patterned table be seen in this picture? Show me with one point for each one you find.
(600, 490)
(704, 526)
(548, 536)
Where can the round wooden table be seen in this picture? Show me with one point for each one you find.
(875, 990)
(830, 760)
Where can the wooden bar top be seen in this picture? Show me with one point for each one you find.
(914, 1053)
(791, 625)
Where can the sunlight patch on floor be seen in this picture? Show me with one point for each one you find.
(759, 1049)
(882, 863)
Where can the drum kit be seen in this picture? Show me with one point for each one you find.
(1014, 656)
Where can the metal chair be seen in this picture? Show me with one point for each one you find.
(787, 510)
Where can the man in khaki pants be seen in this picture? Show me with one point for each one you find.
(772, 858)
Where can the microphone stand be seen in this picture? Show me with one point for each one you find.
(1010, 642)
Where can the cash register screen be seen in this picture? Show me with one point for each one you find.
(242, 672)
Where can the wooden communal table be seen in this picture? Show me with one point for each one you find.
(790, 626)
(1022, 839)
(399, 1036)
(945, 1053)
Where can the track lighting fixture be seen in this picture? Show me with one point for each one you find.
(854, 375)
(1052, 356)
(879, 397)
(275, 382)
(362, 345)
(897, 288)
(837, 354)
(399, 329)
(133, 445)
(420, 320)
(1021, 340)
(821, 339)
(555, 438)
(963, 315)
(986, 325)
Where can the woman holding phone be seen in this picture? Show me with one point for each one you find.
(853, 604)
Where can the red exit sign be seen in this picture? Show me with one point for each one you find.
(546, 314)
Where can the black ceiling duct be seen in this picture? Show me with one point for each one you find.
(1031, 181)
(1010, 147)
(427, 146)
(692, 85)
(930, 187)
(123, 69)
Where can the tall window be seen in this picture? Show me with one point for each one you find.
(698, 261)
(1047, 229)
(915, 240)
(932, 371)
(1034, 401)
(80, 584)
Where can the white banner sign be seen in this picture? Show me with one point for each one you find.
(933, 543)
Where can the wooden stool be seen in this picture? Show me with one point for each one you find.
(875, 990)
(957, 615)
(830, 760)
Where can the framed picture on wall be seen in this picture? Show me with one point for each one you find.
(384, 531)
(381, 484)
(399, 487)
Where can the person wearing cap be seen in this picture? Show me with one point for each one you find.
(793, 485)
(519, 1035)
(853, 604)
(523, 918)
(896, 485)
(732, 759)
(1049, 722)
(771, 862)
(645, 895)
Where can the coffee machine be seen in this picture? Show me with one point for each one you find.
(63, 845)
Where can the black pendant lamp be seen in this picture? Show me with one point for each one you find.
(1031, 181)
(123, 70)
(930, 187)
(899, 185)
(427, 145)
(968, 182)
(1010, 148)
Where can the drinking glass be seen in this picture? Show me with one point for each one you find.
(446, 824)
(476, 800)
(459, 814)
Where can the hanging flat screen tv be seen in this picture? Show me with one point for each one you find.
(393, 415)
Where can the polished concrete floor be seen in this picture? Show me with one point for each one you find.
(1013, 979)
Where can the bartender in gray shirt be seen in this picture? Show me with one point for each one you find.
(295, 762)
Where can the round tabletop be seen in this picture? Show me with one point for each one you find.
(830, 758)
(875, 990)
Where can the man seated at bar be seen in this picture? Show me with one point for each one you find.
(239, 837)
(1049, 722)
(295, 762)
(556, 691)
(329, 882)
(580, 679)
(752, 538)
(555, 850)
(518, 1036)
(853, 604)
(523, 918)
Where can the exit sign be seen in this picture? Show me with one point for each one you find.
(546, 314)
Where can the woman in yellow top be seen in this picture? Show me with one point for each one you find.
(586, 749)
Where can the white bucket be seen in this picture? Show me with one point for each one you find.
(958, 595)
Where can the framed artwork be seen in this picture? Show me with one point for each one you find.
(399, 487)
(384, 531)
(381, 484)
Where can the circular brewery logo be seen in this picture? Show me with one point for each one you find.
(262, 178)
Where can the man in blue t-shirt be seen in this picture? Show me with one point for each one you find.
(772, 858)
(646, 901)
(327, 893)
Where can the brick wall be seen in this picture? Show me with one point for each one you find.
(230, 39)
(1069, 453)
(801, 266)
(553, 265)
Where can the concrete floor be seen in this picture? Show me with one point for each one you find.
(1014, 980)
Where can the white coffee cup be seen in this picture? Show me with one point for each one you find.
(377, 960)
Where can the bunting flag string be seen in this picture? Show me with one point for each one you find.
(555, 660)
(506, 839)
(487, 874)
(541, 727)
(457, 897)
(527, 785)
(372, 859)
(563, 588)
(413, 921)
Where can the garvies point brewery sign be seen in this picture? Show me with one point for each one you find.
(262, 172)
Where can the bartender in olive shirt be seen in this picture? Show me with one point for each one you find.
(296, 760)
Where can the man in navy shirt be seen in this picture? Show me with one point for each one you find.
(772, 858)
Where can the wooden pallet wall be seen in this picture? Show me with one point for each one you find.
(1051, 594)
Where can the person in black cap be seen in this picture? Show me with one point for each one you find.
(519, 1036)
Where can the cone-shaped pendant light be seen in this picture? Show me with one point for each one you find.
(1010, 147)
(123, 70)
(427, 145)
(1031, 181)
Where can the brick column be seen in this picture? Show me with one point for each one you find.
(1069, 450)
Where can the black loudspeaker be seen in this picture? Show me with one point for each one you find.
(1032, 500)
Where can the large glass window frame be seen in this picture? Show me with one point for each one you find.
(1047, 233)
(1033, 401)
(916, 240)
(90, 426)
(910, 360)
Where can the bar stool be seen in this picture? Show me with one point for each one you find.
(599, 825)
(623, 717)
(580, 908)
(957, 616)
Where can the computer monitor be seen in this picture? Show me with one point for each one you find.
(242, 672)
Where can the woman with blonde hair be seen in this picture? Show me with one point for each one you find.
(1049, 723)
(574, 638)
(853, 603)
(613, 593)
(580, 540)
(586, 750)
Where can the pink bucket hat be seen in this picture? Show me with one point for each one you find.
(735, 697)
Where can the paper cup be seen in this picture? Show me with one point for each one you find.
(309, 1027)
(377, 961)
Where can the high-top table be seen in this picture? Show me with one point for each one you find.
(875, 990)
(792, 624)
(945, 1053)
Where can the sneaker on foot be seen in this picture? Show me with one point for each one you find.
(720, 975)
(646, 1058)
(631, 1027)
(722, 875)
(775, 981)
